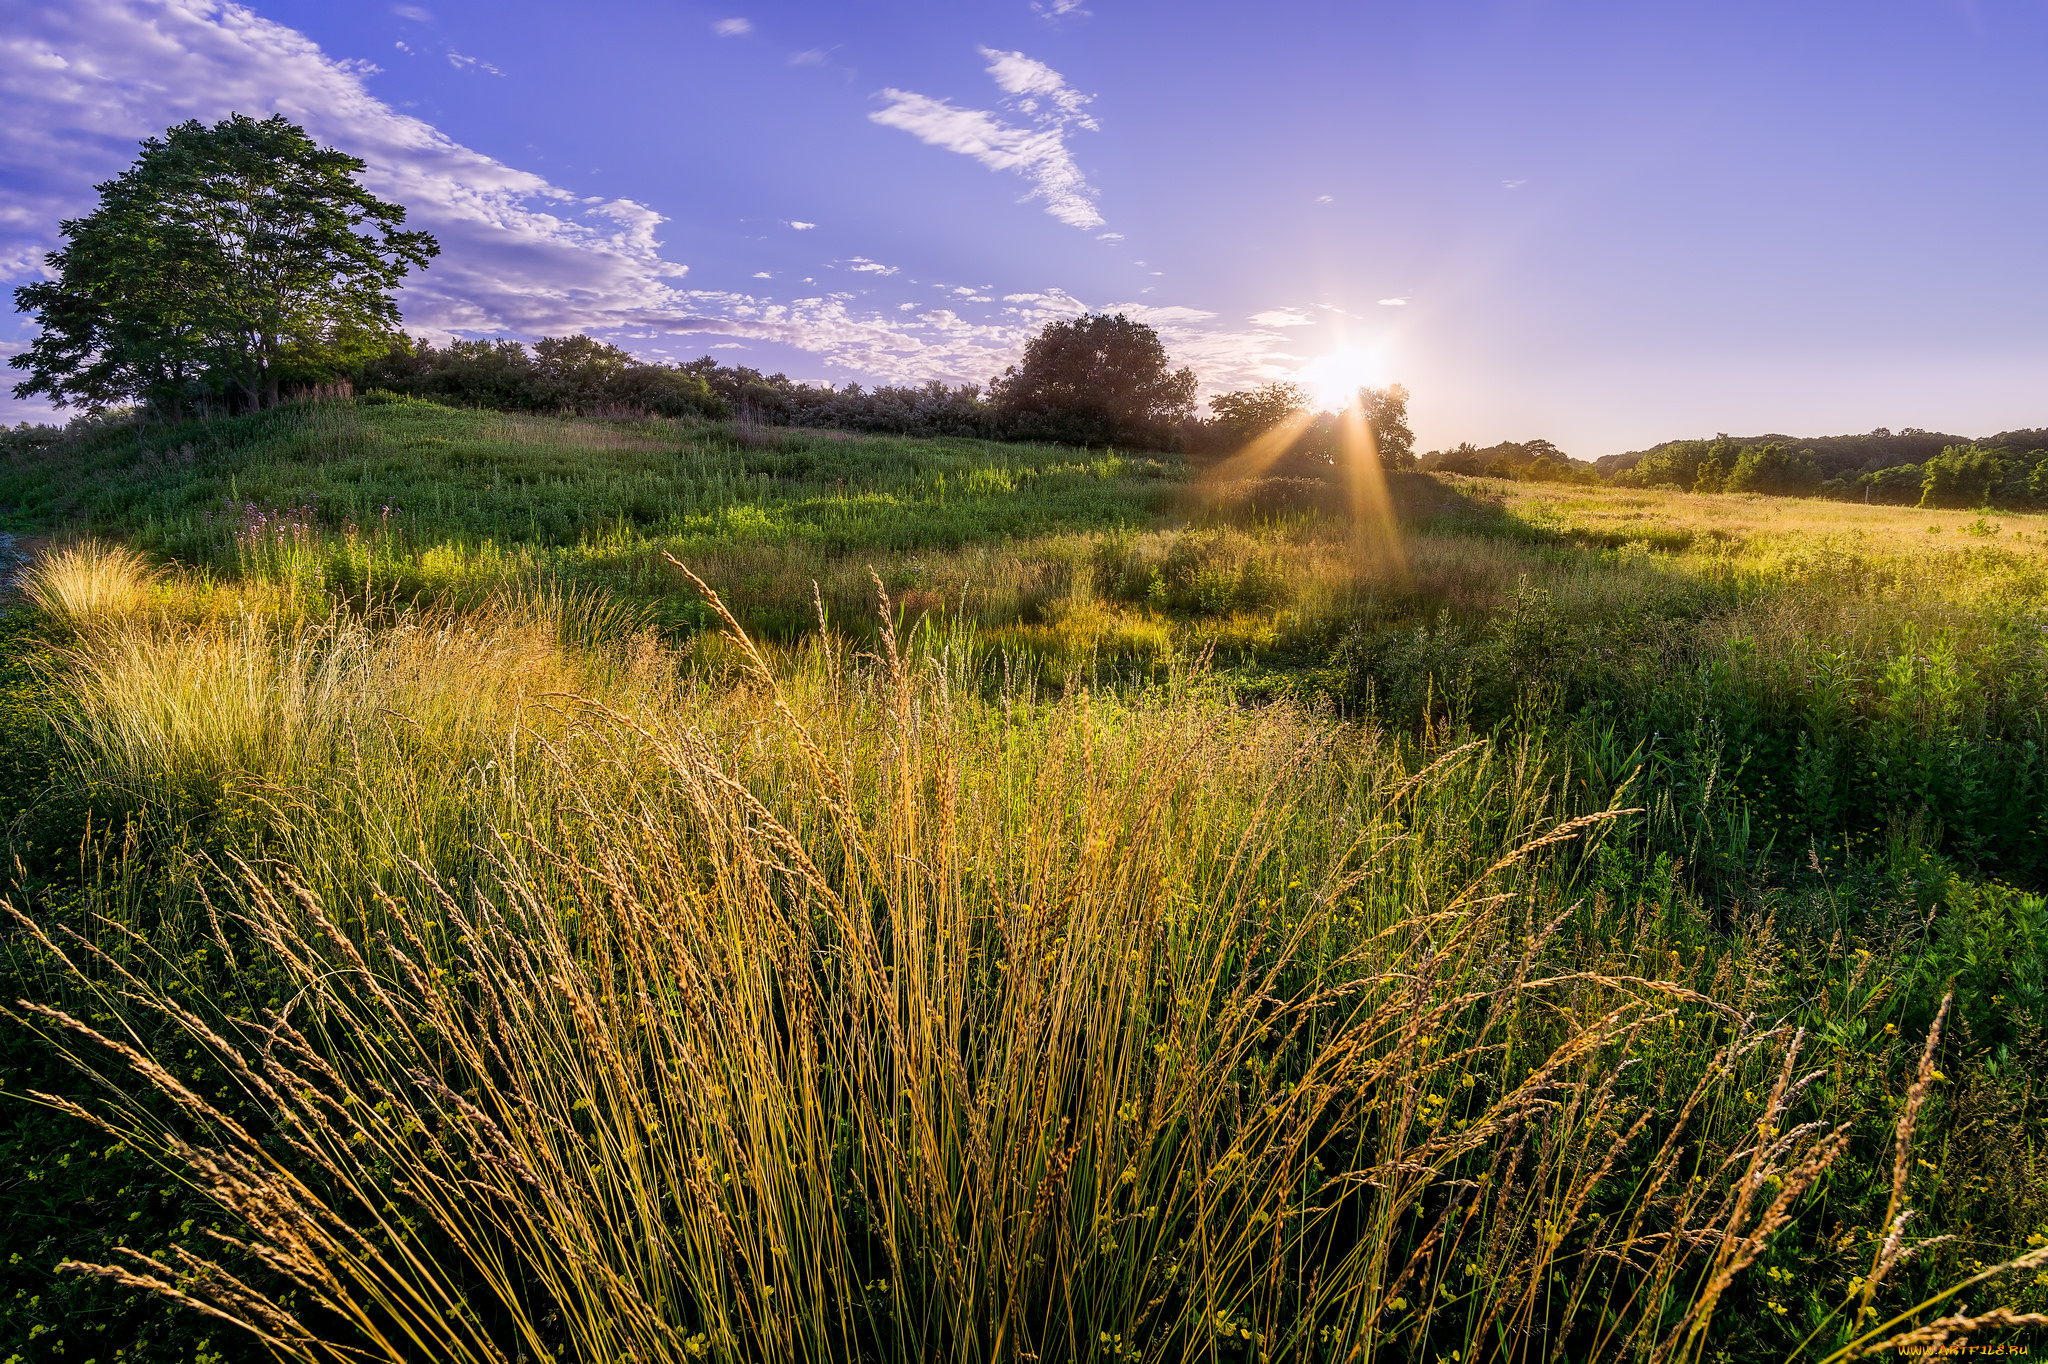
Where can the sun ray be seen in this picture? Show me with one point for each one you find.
(1333, 380)
(1263, 452)
(1375, 533)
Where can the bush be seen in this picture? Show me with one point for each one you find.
(1898, 486)
(1961, 476)
(573, 373)
(1773, 469)
(1531, 461)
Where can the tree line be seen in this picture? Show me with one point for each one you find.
(2008, 470)
(237, 265)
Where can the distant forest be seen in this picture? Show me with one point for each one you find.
(1901, 468)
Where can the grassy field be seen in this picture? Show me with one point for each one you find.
(1024, 903)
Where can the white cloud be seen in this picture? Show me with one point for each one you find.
(803, 227)
(762, 274)
(1109, 236)
(400, 45)
(1039, 154)
(1031, 81)
(413, 13)
(1513, 184)
(520, 256)
(862, 265)
(1325, 198)
(730, 345)
(810, 56)
(1057, 9)
(1034, 310)
(733, 28)
(1283, 317)
(1393, 303)
(462, 63)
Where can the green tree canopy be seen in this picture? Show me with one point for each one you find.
(1961, 476)
(1095, 380)
(1771, 468)
(232, 259)
(1246, 415)
(1386, 412)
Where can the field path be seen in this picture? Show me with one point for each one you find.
(16, 553)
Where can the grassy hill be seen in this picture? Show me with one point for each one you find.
(1045, 904)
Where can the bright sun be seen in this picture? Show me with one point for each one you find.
(1333, 380)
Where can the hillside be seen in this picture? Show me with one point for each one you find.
(1045, 901)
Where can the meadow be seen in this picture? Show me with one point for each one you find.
(493, 887)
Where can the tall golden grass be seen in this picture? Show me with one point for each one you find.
(841, 1011)
(88, 584)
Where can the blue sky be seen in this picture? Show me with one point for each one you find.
(1605, 224)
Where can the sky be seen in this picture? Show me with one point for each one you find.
(1605, 224)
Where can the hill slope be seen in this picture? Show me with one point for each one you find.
(1175, 905)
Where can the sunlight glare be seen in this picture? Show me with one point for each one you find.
(1332, 381)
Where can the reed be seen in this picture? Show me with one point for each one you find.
(841, 1011)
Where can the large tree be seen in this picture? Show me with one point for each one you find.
(1095, 380)
(1386, 412)
(234, 259)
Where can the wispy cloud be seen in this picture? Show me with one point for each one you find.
(89, 79)
(413, 13)
(1326, 198)
(862, 265)
(810, 56)
(1038, 153)
(1513, 184)
(1393, 303)
(733, 28)
(520, 256)
(1283, 317)
(1035, 84)
(462, 63)
(1057, 9)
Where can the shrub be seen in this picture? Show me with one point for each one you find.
(1773, 469)
(573, 373)
(1898, 486)
(1961, 476)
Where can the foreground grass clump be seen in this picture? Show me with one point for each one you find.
(832, 1009)
(1170, 925)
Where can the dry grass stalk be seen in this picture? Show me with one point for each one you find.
(839, 1013)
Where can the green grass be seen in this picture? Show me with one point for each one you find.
(438, 475)
(1166, 932)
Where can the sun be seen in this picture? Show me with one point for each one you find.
(1333, 380)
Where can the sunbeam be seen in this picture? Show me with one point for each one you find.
(1375, 532)
(1264, 451)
